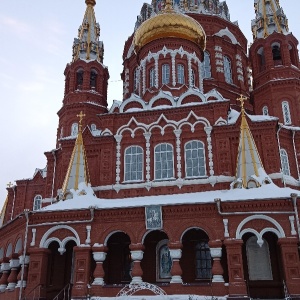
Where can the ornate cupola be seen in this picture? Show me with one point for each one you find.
(86, 78)
(275, 64)
(250, 172)
(87, 46)
(168, 53)
(269, 18)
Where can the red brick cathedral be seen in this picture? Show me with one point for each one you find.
(188, 188)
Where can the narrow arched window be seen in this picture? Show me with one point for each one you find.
(203, 261)
(227, 70)
(136, 80)
(195, 159)
(165, 74)
(259, 262)
(133, 163)
(93, 80)
(180, 74)
(265, 111)
(164, 261)
(79, 79)
(285, 165)
(152, 77)
(193, 79)
(74, 129)
(286, 113)
(276, 52)
(261, 58)
(207, 65)
(37, 202)
(93, 127)
(164, 162)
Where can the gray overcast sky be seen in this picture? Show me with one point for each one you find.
(36, 44)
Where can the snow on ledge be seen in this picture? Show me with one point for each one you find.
(270, 191)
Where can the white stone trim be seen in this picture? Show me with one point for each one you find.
(44, 243)
(278, 230)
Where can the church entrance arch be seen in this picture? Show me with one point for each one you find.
(132, 289)
(60, 268)
(263, 266)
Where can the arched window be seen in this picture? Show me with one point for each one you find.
(164, 261)
(180, 74)
(293, 55)
(207, 65)
(74, 129)
(37, 202)
(276, 54)
(265, 111)
(194, 159)
(203, 261)
(93, 80)
(93, 127)
(152, 77)
(79, 79)
(136, 80)
(261, 59)
(133, 163)
(258, 257)
(227, 70)
(286, 113)
(164, 162)
(193, 79)
(285, 165)
(165, 74)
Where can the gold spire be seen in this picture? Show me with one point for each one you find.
(3, 210)
(87, 46)
(249, 168)
(78, 169)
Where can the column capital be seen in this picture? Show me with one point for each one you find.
(99, 248)
(233, 243)
(215, 244)
(137, 247)
(175, 245)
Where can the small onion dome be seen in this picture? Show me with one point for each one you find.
(90, 2)
(169, 23)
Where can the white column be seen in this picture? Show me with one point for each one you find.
(88, 234)
(144, 77)
(190, 70)
(33, 230)
(173, 68)
(209, 147)
(136, 256)
(178, 152)
(156, 71)
(118, 138)
(147, 136)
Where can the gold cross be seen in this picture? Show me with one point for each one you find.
(168, 5)
(10, 184)
(242, 99)
(81, 116)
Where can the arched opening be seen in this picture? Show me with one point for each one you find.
(79, 79)
(93, 80)
(261, 59)
(196, 262)
(156, 262)
(276, 51)
(293, 55)
(263, 267)
(60, 268)
(117, 265)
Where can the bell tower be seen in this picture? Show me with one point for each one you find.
(86, 78)
(275, 64)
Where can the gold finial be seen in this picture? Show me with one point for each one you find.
(80, 116)
(90, 2)
(168, 6)
(242, 99)
(10, 184)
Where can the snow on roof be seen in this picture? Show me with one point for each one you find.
(234, 115)
(270, 191)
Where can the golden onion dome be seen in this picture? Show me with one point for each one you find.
(169, 23)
